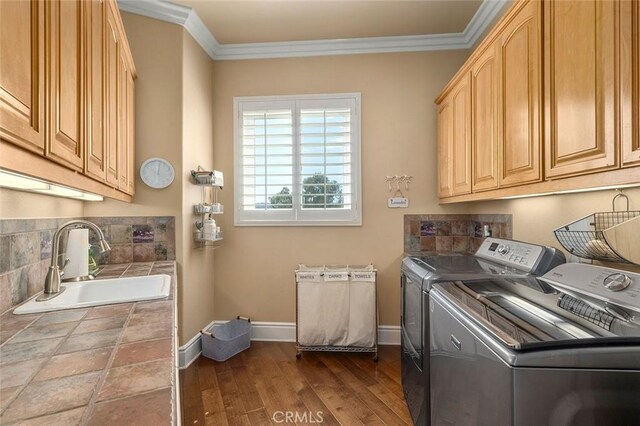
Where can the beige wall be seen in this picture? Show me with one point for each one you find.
(534, 219)
(19, 204)
(157, 52)
(254, 267)
(196, 307)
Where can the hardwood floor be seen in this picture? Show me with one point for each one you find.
(267, 385)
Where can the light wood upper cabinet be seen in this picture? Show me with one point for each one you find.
(519, 134)
(123, 124)
(454, 139)
(580, 83)
(65, 141)
(22, 74)
(67, 94)
(112, 57)
(95, 159)
(484, 110)
(130, 118)
(445, 133)
(461, 138)
(630, 82)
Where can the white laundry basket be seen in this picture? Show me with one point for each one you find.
(221, 342)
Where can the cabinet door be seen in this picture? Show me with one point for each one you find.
(22, 74)
(122, 118)
(484, 111)
(131, 133)
(65, 142)
(630, 82)
(580, 65)
(95, 159)
(461, 137)
(445, 132)
(112, 53)
(520, 108)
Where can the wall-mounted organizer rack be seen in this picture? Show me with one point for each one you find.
(207, 233)
(604, 236)
(336, 309)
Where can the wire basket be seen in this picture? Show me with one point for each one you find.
(585, 237)
(208, 208)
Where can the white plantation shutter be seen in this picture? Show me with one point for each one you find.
(297, 160)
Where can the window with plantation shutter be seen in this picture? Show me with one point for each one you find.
(297, 160)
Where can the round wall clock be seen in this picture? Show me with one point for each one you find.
(157, 173)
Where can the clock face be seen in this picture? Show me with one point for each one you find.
(157, 173)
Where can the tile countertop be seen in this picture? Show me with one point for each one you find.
(105, 365)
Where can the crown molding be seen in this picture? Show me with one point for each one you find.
(189, 19)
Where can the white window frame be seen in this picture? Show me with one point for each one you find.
(297, 216)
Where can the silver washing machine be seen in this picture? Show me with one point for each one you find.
(564, 350)
(508, 259)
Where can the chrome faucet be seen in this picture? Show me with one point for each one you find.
(54, 276)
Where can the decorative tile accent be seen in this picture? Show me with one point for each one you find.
(142, 234)
(455, 233)
(427, 229)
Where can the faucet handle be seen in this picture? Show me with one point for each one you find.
(66, 262)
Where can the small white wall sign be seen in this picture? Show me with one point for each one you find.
(398, 202)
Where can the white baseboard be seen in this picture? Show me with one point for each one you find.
(275, 332)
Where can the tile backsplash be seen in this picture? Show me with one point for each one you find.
(458, 233)
(25, 248)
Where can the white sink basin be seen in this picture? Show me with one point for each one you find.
(102, 292)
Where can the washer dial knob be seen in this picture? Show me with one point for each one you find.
(503, 249)
(616, 282)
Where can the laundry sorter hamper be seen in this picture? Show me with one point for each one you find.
(222, 341)
(336, 309)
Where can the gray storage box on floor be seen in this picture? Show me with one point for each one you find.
(221, 342)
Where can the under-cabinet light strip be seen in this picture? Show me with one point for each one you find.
(21, 182)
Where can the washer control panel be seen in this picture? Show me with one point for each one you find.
(516, 254)
(612, 286)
